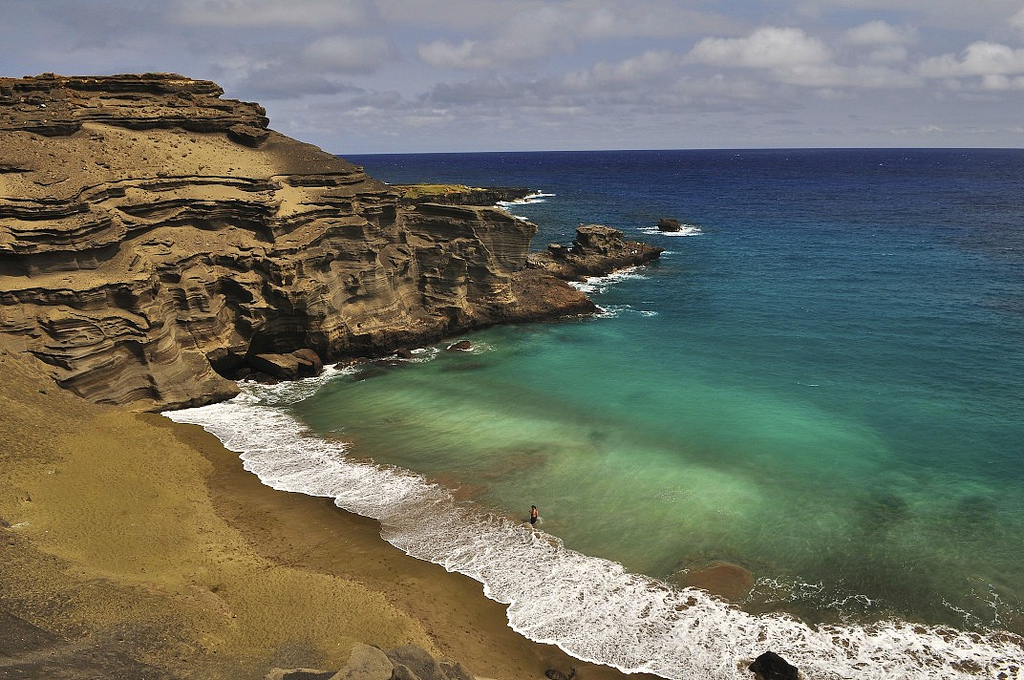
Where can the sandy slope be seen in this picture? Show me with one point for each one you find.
(131, 545)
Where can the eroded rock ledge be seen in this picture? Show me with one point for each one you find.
(153, 236)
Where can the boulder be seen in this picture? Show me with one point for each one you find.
(249, 135)
(668, 224)
(311, 359)
(460, 346)
(366, 663)
(771, 666)
(303, 363)
(418, 662)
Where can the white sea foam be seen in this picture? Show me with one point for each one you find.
(684, 230)
(535, 197)
(592, 608)
(600, 284)
(613, 311)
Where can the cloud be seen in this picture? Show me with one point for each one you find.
(888, 54)
(641, 68)
(860, 76)
(445, 54)
(539, 30)
(530, 35)
(273, 13)
(767, 47)
(979, 59)
(1017, 22)
(879, 33)
(348, 55)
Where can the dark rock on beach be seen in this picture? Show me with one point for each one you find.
(302, 363)
(771, 666)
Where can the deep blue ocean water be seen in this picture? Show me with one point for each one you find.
(821, 382)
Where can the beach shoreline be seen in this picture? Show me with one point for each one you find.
(131, 541)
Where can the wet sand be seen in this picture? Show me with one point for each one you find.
(132, 545)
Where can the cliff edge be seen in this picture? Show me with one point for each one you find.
(154, 237)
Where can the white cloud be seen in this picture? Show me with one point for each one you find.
(767, 47)
(979, 59)
(1001, 83)
(1017, 21)
(879, 33)
(342, 54)
(527, 36)
(650, 64)
(444, 54)
(273, 13)
(538, 30)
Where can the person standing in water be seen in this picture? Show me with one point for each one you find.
(534, 515)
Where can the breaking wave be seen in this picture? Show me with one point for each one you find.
(592, 608)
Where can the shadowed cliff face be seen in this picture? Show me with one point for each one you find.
(150, 232)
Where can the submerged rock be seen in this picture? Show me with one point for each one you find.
(728, 580)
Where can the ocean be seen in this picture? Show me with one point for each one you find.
(820, 381)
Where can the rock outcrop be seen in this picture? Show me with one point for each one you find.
(155, 237)
(458, 194)
(408, 662)
(596, 251)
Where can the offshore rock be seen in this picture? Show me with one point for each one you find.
(596, 251)
(155, 237)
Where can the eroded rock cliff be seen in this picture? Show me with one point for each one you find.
(154, 235)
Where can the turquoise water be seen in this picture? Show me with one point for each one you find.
(822, 384)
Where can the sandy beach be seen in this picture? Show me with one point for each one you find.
(135, 544)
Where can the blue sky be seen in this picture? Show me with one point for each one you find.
(381, 76)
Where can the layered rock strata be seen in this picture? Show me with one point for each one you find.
(154, 237)
(457, 194)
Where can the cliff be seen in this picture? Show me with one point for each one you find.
(155, 237)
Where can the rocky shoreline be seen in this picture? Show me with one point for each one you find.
(156, 237)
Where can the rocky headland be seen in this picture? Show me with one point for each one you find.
(156, 238)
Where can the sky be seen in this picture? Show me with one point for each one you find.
(410, 76)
